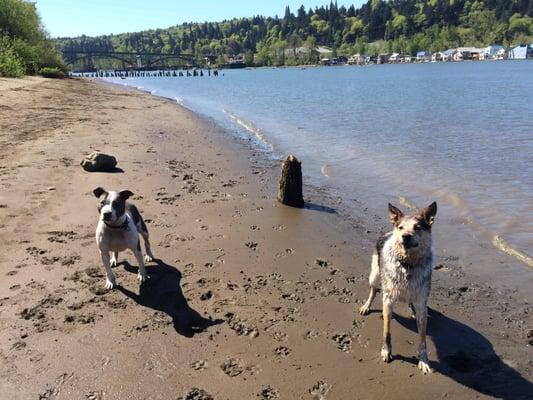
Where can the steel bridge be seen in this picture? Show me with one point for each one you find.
(129, 60)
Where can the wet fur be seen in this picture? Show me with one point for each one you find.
(118, 229)
(402, 265)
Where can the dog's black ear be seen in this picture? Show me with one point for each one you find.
(125, 194)
(395, 215)
(428, 213)
(99, 191)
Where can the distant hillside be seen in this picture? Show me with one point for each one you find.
(377, 26)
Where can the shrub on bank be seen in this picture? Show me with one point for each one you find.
(10, 63)
(48, 72)
(24, 44)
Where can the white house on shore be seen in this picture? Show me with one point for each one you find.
(468, 53)
(437, 56)
(423, 56)
(521, 52)
(383, 58)
(490, 52)
(357, 59)
(448, 55)
(395, 58)
(501, 54)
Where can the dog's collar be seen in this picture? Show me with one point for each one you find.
(124, 225)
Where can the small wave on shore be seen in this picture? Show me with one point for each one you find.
(326, 170)
(467, 217)
(249, 127)
(502, 245)
(494, 237)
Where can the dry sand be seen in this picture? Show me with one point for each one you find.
(249, 299)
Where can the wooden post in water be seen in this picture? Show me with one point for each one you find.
(290, 183)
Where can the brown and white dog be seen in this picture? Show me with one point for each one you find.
(403, 260)
(118, 229)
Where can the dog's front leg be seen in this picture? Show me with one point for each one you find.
(421, 322)
(141, 276)
(110, 278)
(386, 349)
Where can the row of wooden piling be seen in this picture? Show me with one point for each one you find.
(146, 74)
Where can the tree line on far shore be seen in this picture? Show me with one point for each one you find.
(377, 26)
(25, 48)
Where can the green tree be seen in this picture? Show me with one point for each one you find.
(25, 42)
(520, 24)
(249, 58)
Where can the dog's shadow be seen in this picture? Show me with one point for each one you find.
(468, 358)
(162, 292)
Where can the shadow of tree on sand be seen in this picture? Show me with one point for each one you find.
(468, 358)
(162, 292)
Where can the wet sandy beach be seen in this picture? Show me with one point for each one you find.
(248, 299)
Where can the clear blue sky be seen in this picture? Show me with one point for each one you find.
(98, 17)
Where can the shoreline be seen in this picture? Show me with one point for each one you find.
(229, 252)
(119, 72)
(491, 249)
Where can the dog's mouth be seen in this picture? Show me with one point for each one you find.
(410, 245)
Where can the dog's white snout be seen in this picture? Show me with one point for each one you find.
(107, 213)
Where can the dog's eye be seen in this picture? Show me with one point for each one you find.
(400, 228)
(417, 227)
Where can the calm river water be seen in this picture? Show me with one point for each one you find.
(458, 133)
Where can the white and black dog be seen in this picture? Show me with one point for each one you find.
(118, 229)
(402, 264)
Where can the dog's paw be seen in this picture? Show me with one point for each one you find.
(142, 277)
(109, 284)
(148, 258)
(386, 355)
(364, 309)
(424, 367)
(113, 263)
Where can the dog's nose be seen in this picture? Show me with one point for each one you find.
(407, 238)
(107, 215)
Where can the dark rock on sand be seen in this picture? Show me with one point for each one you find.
(99, 162)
